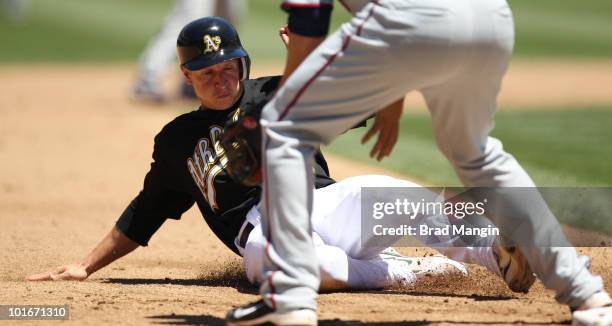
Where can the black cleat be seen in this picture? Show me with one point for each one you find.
(259, 313)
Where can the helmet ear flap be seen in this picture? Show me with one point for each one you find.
(245, 67)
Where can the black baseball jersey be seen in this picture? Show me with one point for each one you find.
(189, 167)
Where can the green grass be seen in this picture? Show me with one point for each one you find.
(566, 147)
(116, 30)
(259, 32)
(74, 30)
(563, 28)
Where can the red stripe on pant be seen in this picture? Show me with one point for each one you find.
(268, 230)
(272, 289)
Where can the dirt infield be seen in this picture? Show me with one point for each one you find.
(73, 153)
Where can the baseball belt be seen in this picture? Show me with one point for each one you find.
(243, 235)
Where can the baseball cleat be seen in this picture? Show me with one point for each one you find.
(259, 313)
(597, 310)
(390, 253)
(513, 267)
(438, 265)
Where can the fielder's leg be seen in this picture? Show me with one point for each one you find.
(462, 112)
(356, 71)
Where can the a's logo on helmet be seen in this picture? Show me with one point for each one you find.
(212, 43)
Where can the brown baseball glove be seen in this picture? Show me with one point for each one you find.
(241, 141)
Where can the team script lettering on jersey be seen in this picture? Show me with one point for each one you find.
(207, 162)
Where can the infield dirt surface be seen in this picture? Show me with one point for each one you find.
(74, 151)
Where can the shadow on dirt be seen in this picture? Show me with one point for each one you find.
(174, 319)
(242, 285)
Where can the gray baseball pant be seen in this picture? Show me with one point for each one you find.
(455, 52)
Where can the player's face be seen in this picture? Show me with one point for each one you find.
(217, 86)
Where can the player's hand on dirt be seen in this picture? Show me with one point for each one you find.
(283, 32)
(386, 125)
(70, 272)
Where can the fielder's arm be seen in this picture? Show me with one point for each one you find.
(306, 28)
(297, 50)
(112, 247)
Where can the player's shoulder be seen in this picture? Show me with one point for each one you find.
(174, 128)
(262, 87)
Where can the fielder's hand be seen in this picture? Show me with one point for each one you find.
(70, 272)
(386, 124)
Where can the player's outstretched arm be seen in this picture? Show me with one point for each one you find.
(114, 246)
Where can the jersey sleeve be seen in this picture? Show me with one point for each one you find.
(158, 200)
